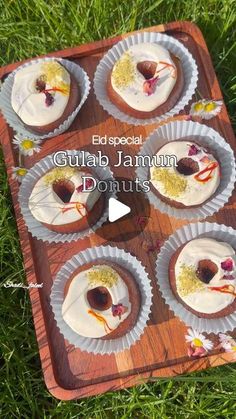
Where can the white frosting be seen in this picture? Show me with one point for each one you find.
(133, 94)
(29, 104)
(75, 306)
(47, 207)
(196, 192)
(206, 300)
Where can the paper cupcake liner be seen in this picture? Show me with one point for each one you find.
(181, 236)
(36, 228)
(126, 260)
(206, 137)
(15, 122)
(189, 66)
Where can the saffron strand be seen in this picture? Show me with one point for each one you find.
(225, 289)
(209, 169)
(100, 319)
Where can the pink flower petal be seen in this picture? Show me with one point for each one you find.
(141, 220)
(229, 277)
(149, 86)
(193, 150)
(80, 188)
(190, 351)
(118, 310)
(88, 184)
(156, 247)
(227, 264)
(199, 352)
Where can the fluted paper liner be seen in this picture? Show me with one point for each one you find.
(35, 227)
(207, 137)
(15, 122)
(126, 260)
(105, 66)
(192, 231)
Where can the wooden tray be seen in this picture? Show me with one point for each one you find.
(68, 372)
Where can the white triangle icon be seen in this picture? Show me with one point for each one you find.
(117, 210)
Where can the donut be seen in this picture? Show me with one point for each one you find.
(101, 300)
(59, 202)
(146, 81)
(43, 95)
(192, 182)
(202, 276)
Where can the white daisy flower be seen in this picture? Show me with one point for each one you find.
(206, 109)
(27, 146)
(224, 338)
(227, 343)
(18, 173)
(198, 340)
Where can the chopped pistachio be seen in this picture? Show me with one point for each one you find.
(173, 183)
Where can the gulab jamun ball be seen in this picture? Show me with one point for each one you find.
(101, 300)
(190, 183)
(44, 94)
(202, 276)
(146, 81)
(63, 200)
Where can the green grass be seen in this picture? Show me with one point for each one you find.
(29, 28)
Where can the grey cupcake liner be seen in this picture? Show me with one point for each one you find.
(181, 236)
(207, 137)
(36, 228)
(106, 64)
(15, 122)
(126, 260)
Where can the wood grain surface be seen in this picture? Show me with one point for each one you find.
(161, 352)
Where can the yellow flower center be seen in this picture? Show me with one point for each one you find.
(234, 348)
(197, 342)
(198, 107)
(27, 144)
(21, 172)
(210, 107)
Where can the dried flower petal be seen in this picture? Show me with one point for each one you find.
(149, 86)
(150, 248)
(118, 310)
(88, 185)
(141, 220)
(227, 265)
(193, 150)
(190, 351)
(205, 159)
(229, 277)
(199, 352)
(49, 99)
(196, 352)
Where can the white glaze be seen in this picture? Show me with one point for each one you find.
(206, 300)
(47, 207)
(133, 94)
(30, 104)
(75, 306)
(196, 192)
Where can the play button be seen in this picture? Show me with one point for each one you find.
(117, 210)
(128, 212)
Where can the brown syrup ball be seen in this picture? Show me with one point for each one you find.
(64, 189)
(187, 166)
(147, 69)
(99, 298)
(206, 270)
